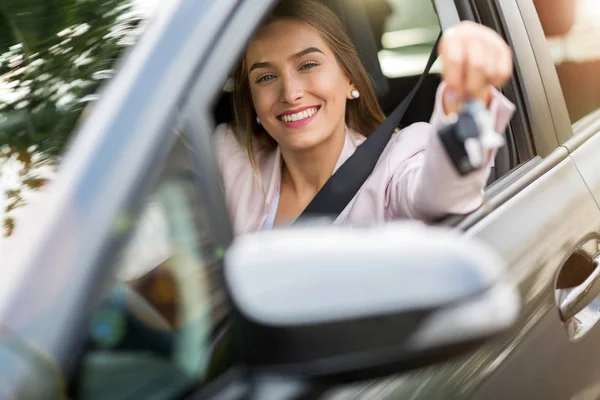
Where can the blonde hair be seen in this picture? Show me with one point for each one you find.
(363, 115)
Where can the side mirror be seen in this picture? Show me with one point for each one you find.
(336, 304)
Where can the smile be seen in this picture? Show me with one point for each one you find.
(299, 118)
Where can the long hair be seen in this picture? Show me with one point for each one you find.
(363, 115)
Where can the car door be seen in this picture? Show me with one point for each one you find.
(535, 217)
(543, 220)
(566, 49)
(555, 362)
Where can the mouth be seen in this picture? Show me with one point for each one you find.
(299, 117)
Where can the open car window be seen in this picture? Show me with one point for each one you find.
(404, 33)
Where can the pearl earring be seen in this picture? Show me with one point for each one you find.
(355, 94)
(258, 120)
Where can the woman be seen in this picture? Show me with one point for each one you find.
(303, 103)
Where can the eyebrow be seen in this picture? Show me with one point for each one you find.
(297, 55)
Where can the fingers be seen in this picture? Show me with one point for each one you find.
(478, 69)
(474, 58)
(453, 66)
(500, 55)
(504, 65)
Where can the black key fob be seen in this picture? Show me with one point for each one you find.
(461, 141)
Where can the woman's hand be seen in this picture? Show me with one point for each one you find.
(474, 58)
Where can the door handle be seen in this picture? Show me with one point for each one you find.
(583, 294)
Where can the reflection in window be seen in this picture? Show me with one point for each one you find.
(155, 333)
(54, 57)
(572, 29)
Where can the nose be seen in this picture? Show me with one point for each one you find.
(291, 89)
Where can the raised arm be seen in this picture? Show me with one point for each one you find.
(426, 185)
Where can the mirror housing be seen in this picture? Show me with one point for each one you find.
(339, 303)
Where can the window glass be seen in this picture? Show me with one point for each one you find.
(409, 32)
(572, 29)
(54, 57)
(406, 31)
(161, 326)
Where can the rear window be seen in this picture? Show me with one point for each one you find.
(409, 33)
(54, 57)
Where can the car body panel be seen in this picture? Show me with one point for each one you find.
(534, 248)
(587, 159)
(532, 87)
(539, 49)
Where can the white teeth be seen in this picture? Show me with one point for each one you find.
(299, 116)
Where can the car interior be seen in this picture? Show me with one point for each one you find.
(366, 27)
(390, 91)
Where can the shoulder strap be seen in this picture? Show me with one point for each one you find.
(343, 185)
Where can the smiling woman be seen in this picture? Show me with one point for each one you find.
(303, 103)
(331, 67)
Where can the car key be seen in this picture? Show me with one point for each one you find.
(468, 137)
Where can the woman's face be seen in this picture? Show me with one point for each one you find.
(298, 88)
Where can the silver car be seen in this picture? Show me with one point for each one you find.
(121, 103)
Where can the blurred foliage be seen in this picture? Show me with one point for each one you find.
(54, 56)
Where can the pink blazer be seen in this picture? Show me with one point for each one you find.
(414, 177)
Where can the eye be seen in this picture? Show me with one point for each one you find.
(265, 78)
(309, 65)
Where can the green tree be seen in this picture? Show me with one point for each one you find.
(54, 55)
(63, 50)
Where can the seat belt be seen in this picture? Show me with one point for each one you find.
(343, 185)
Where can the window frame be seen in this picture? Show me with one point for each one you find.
(527, 83)
(505, 17)
(549, 76)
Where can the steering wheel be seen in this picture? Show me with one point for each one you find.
(126, 322)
